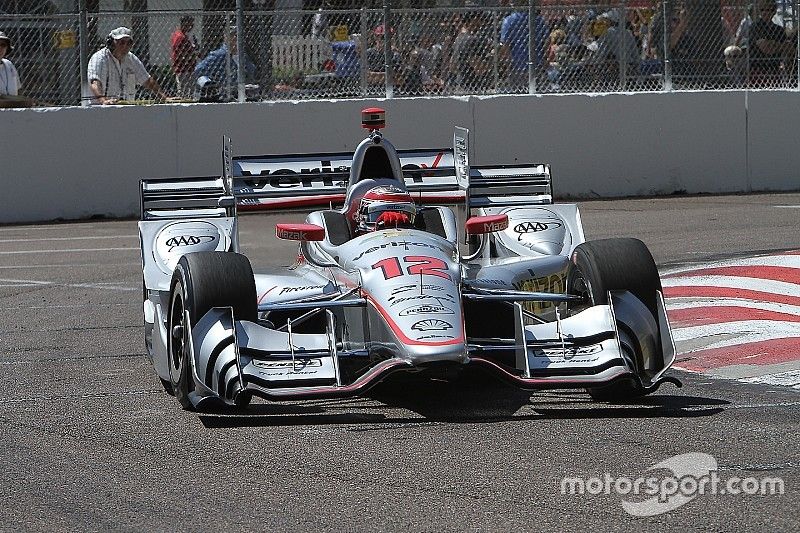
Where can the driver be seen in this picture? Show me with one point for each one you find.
(385, 206)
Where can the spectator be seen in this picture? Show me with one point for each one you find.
(682, 44)
(225, 59)
(114, 72)
(184, 57)
(769, 46)
(376, 58)
(9, 78)
(616, 38)
(557, 57)
(472, 54)
(736, 65)
(416, 77)
(514, 45)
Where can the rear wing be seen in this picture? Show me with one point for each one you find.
(499, 185)
(281, 182)
(307, 180)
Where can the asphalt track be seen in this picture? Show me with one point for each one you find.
(90, 442)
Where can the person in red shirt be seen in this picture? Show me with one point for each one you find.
(184, 57)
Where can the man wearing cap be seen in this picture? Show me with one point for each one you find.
(114, 72)
(9, 79)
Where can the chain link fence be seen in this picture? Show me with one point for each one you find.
(251, 54)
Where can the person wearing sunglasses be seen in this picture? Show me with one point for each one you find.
(114, 71)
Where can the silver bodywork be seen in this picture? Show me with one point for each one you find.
(351, 313)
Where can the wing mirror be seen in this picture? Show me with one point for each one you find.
(486, 224)
(299, 232)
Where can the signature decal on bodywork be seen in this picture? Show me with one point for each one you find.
(440, 299)
(435, 336)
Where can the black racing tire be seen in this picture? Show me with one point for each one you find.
(597, 267)
(203, 280)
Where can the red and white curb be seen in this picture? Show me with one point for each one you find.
(738, 318)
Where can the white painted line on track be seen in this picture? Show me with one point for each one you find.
(744, 331)
(686, 303)
(36, 283)
(770, 260)
(25, 239)
(734, 282)
(69, 250)
(60, 265)
(787, 206)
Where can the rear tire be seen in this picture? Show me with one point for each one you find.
(203, 280)
(605, 265)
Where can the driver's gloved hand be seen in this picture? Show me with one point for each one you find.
(392, 219)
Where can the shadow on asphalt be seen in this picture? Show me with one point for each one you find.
(470, 400)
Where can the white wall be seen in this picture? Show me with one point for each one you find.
(77, 162)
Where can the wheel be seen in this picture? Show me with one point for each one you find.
(203, 280)
(600, 266)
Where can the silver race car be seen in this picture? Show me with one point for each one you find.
(393, 281)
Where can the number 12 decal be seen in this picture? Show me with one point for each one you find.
(415, 265)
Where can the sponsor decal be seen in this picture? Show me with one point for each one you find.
(188, 240)
(324, 173)
(435, 336)
(554, 283)
(300, 289)
(405, 245)
(299, 363)
(432, 324)
(178, 238)
(491, 227)
(524, 228)
(571, 352)
(426, 309)
(441, 299)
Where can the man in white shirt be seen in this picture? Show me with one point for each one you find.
(114, 72)
(9, 78)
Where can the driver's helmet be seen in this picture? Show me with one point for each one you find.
(385, 206)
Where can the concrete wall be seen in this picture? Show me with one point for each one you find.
(77, 162)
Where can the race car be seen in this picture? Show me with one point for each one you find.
(425, 266)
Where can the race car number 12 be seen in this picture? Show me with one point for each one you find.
(416, 265)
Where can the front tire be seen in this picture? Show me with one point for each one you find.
(203, 280)
(600, 266)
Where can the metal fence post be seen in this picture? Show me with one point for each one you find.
(241, 67)
(622, 50)
(532, 55)
(387, 50)
(83, 52)
(496, 52)
(362, 51)
(665, 19)
(796, 29)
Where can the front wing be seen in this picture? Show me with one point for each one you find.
(233, 360)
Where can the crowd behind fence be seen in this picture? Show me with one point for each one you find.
(538, 47)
